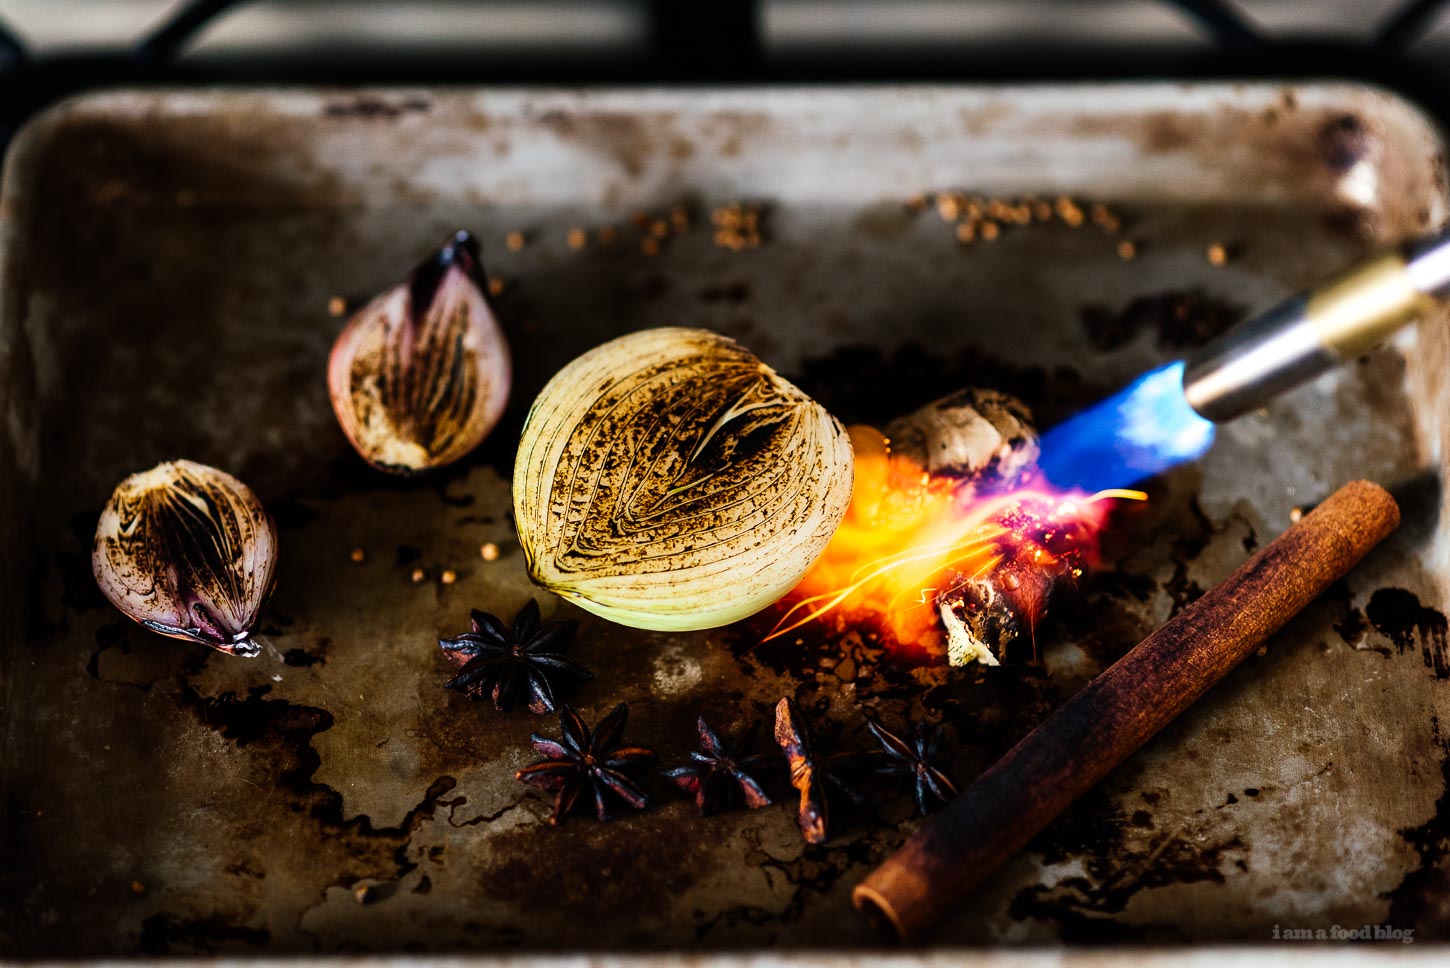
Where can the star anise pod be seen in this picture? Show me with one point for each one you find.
(589, 768)
(507, 665)
(719, 778)
(931, 787)
(811, 773)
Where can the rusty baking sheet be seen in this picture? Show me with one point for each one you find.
(168, 262)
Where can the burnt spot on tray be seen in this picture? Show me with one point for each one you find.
(300, 658)
(280, 735)
(1349, 621)
(733, 293)
(1421, 898)
(108, 636)
(1099, 620)
(375, 106)
(1398, 615)
(167, 934)
(254, 718)
(245, 868)
(1183, 590)
(627, 868)
(1344, 141)
(1177, 320)
(290, 514)
(1121, 855)
(865, 385)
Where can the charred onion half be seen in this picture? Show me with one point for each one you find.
(421, 374)
(188, 551)
(670, 480)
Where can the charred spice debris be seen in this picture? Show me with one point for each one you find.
(506, 664)
(812, 774)
(931, 788)
(590, 769)
(719, 775)
(587, 768)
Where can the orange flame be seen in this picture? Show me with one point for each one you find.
(911, 539)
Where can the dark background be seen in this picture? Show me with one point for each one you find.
(50, 48)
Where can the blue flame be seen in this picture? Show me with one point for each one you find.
(1143, 430)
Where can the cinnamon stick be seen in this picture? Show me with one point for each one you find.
(1117, 712)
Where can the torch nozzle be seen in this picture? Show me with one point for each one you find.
(1142, 430)
(1315, 330)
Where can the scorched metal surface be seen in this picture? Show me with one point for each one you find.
(167, 268)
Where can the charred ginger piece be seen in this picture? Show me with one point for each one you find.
(985, 442)
(1040, 556)
(983, 438)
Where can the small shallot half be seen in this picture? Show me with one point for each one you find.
(420, 376)
(188, 551)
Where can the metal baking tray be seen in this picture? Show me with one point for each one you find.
(168, 261)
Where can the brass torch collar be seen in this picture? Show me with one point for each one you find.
(1355, 312)
(1302, 337)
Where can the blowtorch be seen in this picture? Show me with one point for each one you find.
(1168, 416)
